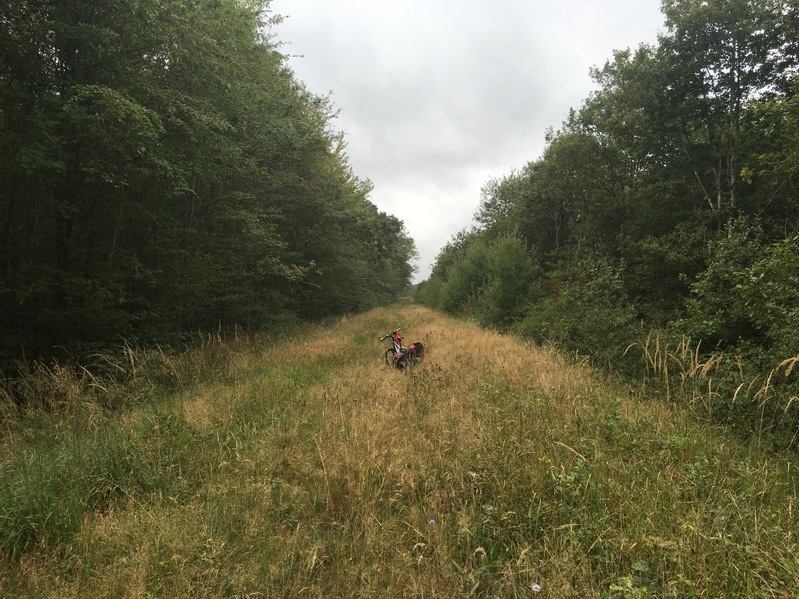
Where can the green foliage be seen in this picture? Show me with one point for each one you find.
(462, 267)
(749, 294)
(491, 279)
(665, 202)
(585, 315)
(514, 278)
(165, 172)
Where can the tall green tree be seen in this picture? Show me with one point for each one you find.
(644, 181)
(721, 56)
(163, 171)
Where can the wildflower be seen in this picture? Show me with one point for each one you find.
(536, 588)
(431, 522)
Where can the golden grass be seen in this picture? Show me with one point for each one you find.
(491, 466)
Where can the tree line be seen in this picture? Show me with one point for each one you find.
(668, 201)
(163, 172)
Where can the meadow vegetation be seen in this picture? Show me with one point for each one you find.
(305, 467)
(663, 208)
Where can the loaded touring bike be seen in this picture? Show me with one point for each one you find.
(399, 356)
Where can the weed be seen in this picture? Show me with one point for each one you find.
(305, 468)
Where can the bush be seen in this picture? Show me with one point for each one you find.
(512, 275)
(748, 297)
(590, 316)
(465, 278)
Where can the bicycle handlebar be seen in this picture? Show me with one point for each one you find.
(391, 334)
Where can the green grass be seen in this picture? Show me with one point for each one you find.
(306, 468)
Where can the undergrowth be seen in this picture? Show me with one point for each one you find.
(722, 387)
(307, 468)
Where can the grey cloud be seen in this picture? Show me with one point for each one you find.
(438, 96)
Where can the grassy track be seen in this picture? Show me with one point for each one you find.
(309, 469)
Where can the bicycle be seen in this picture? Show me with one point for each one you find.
(399, 356)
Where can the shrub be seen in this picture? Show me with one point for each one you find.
(748, 297)
(512, 275)
(590, 316)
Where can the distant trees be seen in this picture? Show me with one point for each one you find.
(163, 171)
(668, 200)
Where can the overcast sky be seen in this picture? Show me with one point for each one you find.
(437, 97)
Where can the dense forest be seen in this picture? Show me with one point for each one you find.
(664, 211)
(163, 173)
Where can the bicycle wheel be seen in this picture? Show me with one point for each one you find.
(402, 360)
(390, 356)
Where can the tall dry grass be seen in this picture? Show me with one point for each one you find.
(310, 469)
(719, 388)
